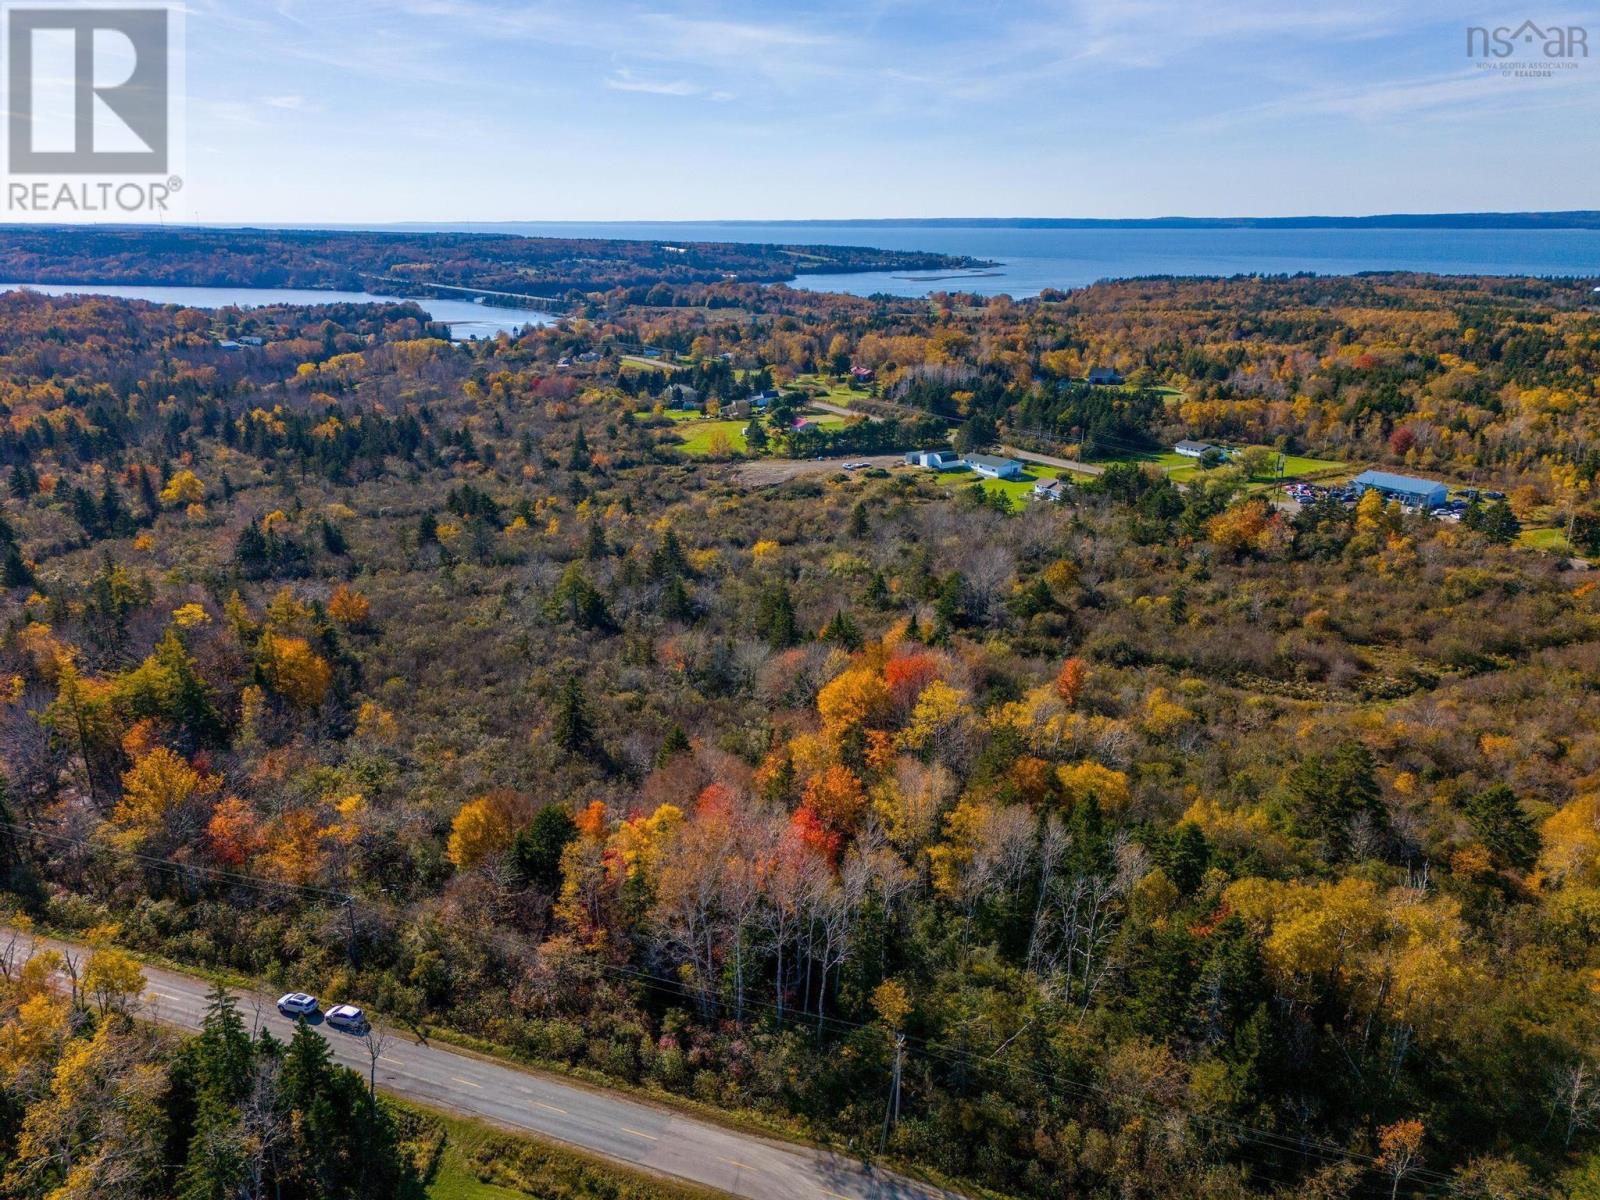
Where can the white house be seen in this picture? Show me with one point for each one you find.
(991, 467)
(935, 460)
(1197, 449)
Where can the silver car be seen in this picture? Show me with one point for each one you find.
(347, 1017)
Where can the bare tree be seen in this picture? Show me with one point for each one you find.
(262, 1125)
(1575, 1097)
(376, 1042)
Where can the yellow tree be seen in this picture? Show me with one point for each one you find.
(486, 826)
(1400, 1151)
(295, 670)
(159, 791)
(113, 979)
(349, 607)
(294, 847)
(852, 701)
(183, 489)
(939, 711)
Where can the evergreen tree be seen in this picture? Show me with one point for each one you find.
(14, 570)
(1328, 792)
(859, 525)
(877, 593)
(842, 631)
(775, 619)
(537, 851)
(578, 459)
(676, 603)
(573, 732)
(675, 743)
(668, 559)
(1505, 828)
(576, 599)
(220, 1066)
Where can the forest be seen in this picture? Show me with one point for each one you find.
(1194, 846)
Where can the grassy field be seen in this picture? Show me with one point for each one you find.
(649, 364)
(698, 435)
(1182, 469)
(698, 432)
(1552, 541)
(843, 394)
(482, 1163)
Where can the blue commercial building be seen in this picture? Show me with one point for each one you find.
(1422, 492)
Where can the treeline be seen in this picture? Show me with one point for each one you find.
(356, 261)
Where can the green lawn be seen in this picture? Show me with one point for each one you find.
(842, 394)
(456, 1181)
(537, 1168)
(1018, 491)
(697, 434)
(698, 431)
(1181, 469)
(1552, 541)
(649, 364)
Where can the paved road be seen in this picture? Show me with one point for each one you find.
(624, 1129)
(839, 409)
(1066, 464)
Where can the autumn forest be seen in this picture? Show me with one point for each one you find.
(547, 693)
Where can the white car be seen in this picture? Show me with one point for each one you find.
(297, 1004)
(348, 1018)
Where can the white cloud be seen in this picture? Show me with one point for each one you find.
(624, 80)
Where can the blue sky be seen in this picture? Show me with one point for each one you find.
(455, 110)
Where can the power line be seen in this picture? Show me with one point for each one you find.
(953, 1056)
(949, 1055)
(235, 877)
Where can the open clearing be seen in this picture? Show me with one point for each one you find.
(699, 432)
(1182, 469)
(768, 472)
(1553, 541)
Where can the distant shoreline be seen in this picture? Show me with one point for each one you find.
(1582, 219)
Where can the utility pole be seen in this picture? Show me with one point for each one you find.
(350, 919)
(891, 1114)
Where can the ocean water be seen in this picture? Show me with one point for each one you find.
(1034, 259)
(1028, 259)
(466, 320)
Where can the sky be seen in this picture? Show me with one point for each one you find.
(370, 111)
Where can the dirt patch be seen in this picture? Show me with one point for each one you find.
(768, 472)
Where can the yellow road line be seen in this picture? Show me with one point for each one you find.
(638, 1133)
(467, 1082)
(740, 1165)
(551, 1107)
